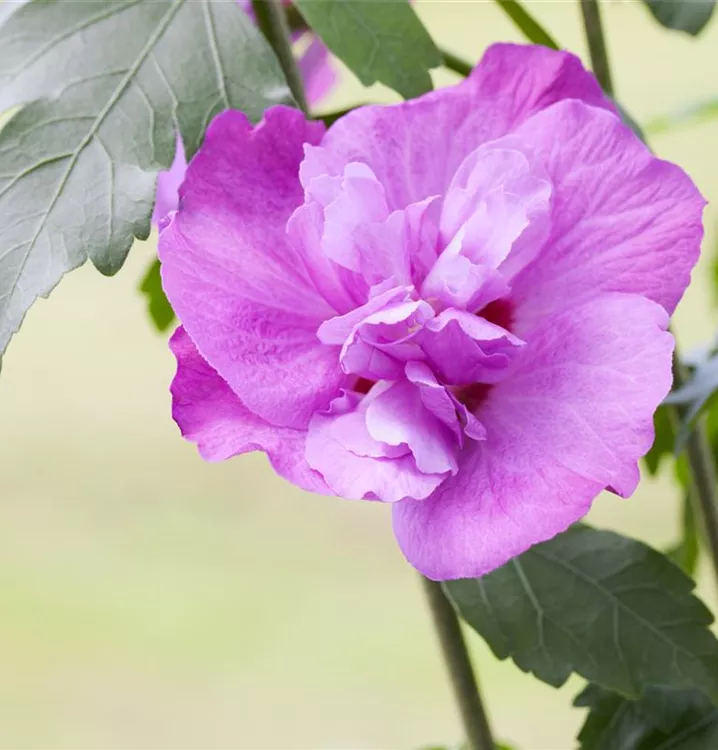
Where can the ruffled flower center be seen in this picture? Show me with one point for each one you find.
(423, 296)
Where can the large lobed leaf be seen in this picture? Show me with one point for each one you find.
(378, 41)
(609, 608)
(108, 82)
(662, 719)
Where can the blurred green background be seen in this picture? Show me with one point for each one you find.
(150, 600)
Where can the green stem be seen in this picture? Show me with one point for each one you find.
(596, 40)
(458, 664)
(272, 21)
(530, 27)
(295, 19)
(452, 62)
(703, 474)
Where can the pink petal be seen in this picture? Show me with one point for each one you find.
(400, 247)
(455, 281)
(355, 231)
(443, 405)
(342, 289)
(573, 419)
(415, 147)
(351, 431)
(334, 436)
(360, 200)
(499, 199)
(338, 329)
(463, 348)
(168, 184)
(623, 220)
(315, 65)
(379, 346)
(378, 337)
(210, 414)
(239, 289)
(422, 231)
(397, 416)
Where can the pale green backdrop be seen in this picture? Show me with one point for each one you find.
(149, 600)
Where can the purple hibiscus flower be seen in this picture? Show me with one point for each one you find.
(319, 77)
(457, 304)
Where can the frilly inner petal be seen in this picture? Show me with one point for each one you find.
(432, 332)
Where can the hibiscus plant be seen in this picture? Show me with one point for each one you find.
(458, 304)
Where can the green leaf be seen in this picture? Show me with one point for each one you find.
(592, 602)
(663, 442)
(690, 16)
(158, 305)
(662, 718)
(378, 41)
(108, 81)
(528, 25)
(692, 398)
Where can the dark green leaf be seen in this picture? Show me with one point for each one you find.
(661, 719)
(78, 169)
(663, 442)
(378, 41)
(682, 15)
(694, 397)
(528, 25)
(592, 602)
(158, 305)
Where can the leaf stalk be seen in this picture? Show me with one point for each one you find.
(272, 21)
(455, 63)
(531, 28)
(596, 40)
